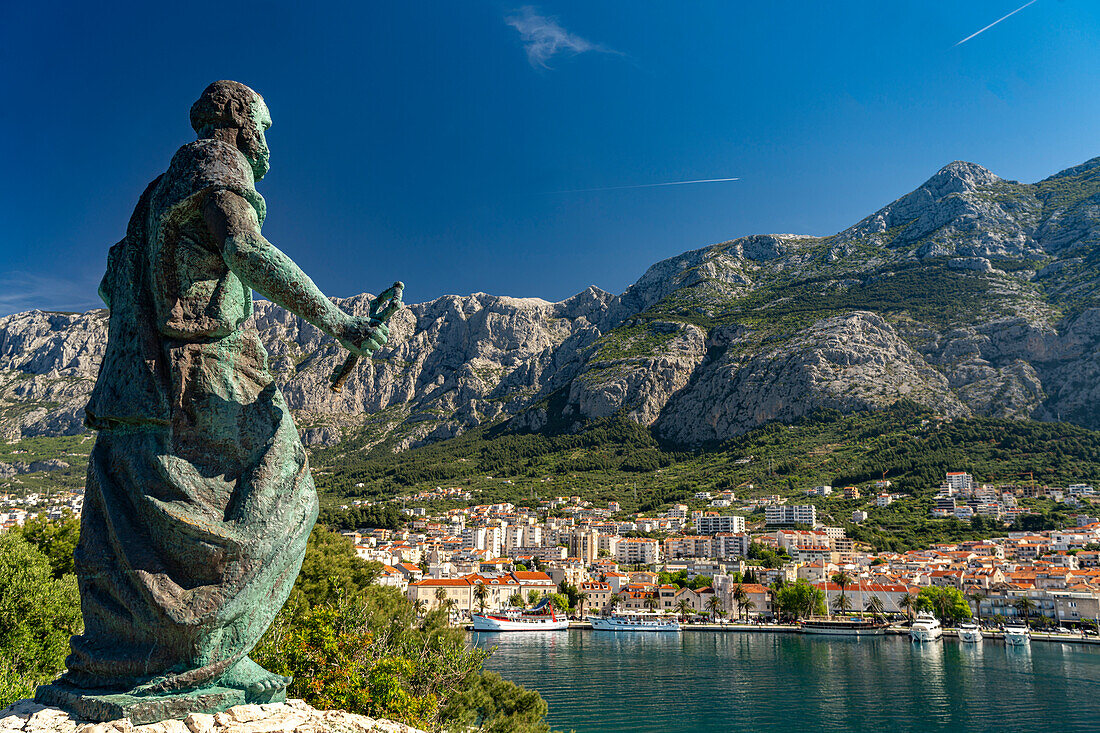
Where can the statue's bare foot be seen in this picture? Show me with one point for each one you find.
(259, 685)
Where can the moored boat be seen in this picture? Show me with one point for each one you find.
(970, 633)
(1017, 635)
(843, 626)
(540, 618)
(926, 627)
(638, 621)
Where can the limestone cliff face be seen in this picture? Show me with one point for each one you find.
(851, 362)
(971, 295)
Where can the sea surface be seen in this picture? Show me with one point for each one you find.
(616, 682)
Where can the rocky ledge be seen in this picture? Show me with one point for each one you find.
(293, 716)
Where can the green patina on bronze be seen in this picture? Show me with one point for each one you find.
(199, 498)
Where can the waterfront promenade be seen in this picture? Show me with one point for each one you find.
(949, 633)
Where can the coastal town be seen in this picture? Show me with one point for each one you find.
(718, 559)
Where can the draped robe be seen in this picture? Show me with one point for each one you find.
(198, 500)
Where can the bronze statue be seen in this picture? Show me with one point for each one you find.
(199, 498)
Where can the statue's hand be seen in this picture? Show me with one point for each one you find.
(362, 335)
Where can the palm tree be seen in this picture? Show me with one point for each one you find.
(440, 595)
(420, 606)
(843, 580)
(614, 602)
(684, 608)
(1025, 606)
(908, 602)
(748, 606)
(874, 606)
(739, 597)
(581, 598)
(481, 593)
(651, 603)
(842, 603)
(714, 605)
(450, 604)
(977, 596)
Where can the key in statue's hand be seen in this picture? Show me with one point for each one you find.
(367, 334)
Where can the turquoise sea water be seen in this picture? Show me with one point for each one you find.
(703, 681)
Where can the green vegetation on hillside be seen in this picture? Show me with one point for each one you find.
(925, 291)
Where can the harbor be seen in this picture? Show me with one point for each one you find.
(774, 679)
(892, 630)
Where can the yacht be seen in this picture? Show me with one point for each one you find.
(1016, 635)
(970, 633)
(844, 626)
(540, 618)
(926, 627)
(636, 621)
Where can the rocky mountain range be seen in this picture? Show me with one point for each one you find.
(973, 295)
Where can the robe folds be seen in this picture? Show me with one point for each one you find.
(199, 499)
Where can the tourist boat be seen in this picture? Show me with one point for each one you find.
(844, 626)
(1016, 635)
(540, 618)
(926, 627)
(638, 621)
(970, 633)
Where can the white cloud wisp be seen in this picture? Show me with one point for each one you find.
(543, 37)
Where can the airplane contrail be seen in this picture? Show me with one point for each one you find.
(983, 30)
(650, 185)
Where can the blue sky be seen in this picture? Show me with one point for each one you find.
(432, 141)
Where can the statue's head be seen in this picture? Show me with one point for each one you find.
(230, 111)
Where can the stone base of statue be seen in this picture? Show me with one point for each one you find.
(100, 706)
(295, 716)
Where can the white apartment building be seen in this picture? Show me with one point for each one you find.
(959, 482)
(638, 550)
(791, 514)
(490, 539)
(728, 546)
(713, 524)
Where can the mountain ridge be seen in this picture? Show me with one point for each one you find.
(971, 295)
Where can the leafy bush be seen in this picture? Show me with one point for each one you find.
(359, 647)
(38, 614)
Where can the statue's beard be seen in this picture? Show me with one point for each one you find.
(256, 152)
(261, 164)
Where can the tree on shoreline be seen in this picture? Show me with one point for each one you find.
(714, 606)
(1024, 606)
(977, 597)
(481, 594)
(842, 580)
(908, 603)
(947, 603)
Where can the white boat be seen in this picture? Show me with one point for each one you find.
(638, 621)
(843, 626)
(1016, 635)
(926, 627)
(970, 633)
(540, 618)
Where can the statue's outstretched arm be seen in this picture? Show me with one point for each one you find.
(261, 266)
